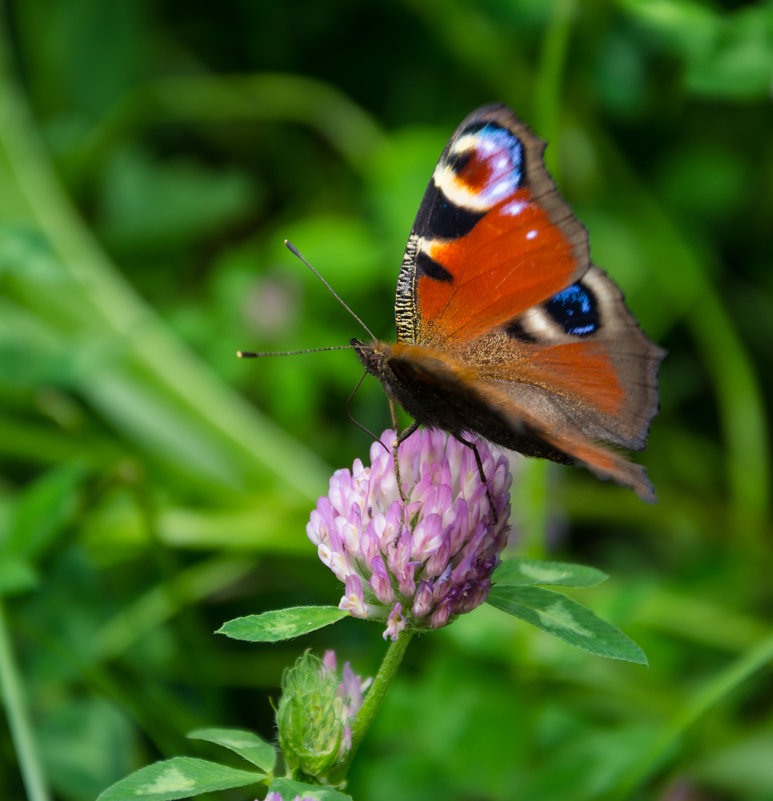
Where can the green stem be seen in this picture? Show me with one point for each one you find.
(373, 699)
(18, 718)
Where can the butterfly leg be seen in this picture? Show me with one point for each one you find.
(395, 448)
(481, 473)
(357, 423)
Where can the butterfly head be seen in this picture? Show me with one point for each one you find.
(376, 357)
(372, 355)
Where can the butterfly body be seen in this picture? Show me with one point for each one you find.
(504, 326)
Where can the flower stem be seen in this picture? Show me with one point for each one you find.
(11, 692)
(373, 698)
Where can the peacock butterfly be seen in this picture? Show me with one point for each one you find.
(504, 326)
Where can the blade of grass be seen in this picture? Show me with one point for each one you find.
(712, 693)
(251, 445)
(19, 719)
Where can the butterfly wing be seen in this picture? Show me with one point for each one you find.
(497, 281)
(492, 236)
(580, 354)
(460, 400)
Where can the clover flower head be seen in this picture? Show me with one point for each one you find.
(418, 565)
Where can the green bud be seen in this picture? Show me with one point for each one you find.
(310, 716)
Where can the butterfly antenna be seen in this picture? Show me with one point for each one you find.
(357, 423)
(289, 245)
(250, 354)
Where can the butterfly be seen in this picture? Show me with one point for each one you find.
(505, 327)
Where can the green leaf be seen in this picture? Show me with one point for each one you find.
(245, 743)
(527, 572)
(568, 620)
(281, 624)
(179, 777)
(288, 789)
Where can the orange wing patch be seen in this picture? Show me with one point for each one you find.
(576, 369)
(511, 260)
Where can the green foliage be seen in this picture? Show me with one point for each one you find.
(528, 572)
(180, 777)
(514, 592)
(185, 777)
(566, 619)
(153, 157)
(282, 624)
(289, 789)
(245, 743)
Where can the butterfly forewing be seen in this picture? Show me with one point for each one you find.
(492, 236)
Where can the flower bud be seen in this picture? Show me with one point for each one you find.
(315, 713)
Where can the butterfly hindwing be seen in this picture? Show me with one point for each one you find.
(530, 424)
(580, 353)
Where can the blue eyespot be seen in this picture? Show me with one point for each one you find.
(501, 151)
(575, 309)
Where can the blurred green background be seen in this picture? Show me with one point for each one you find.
(153, 157)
